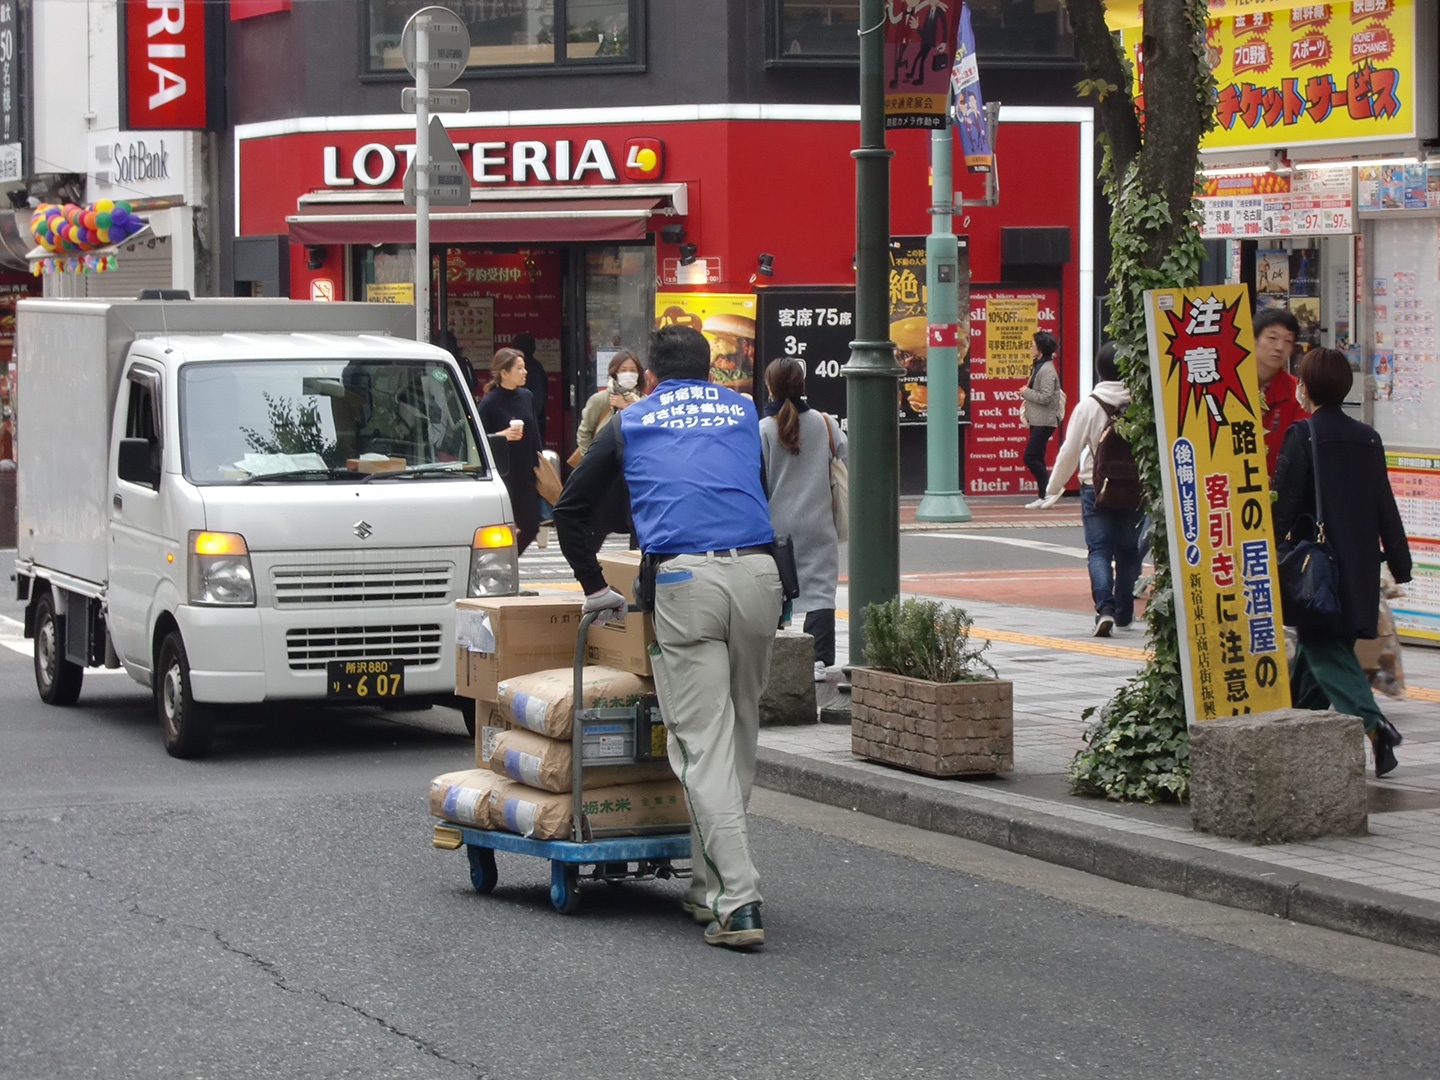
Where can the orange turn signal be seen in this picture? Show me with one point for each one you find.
(493, 536)
(218, 543)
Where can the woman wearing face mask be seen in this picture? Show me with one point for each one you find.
(622, 388)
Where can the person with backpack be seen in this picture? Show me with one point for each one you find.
(1111, 499)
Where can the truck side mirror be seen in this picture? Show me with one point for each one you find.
(133, 464)
(500, 451)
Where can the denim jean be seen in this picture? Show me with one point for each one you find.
(1114, 539)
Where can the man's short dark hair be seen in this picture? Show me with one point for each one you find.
(1106, 369)
(1326, 375)
(679, 352)
(1276, 317)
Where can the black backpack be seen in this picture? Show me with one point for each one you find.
(1114, 472)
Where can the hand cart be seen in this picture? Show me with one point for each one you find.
(648, 850)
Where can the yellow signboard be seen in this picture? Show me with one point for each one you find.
(1010, 325)
(1217, 500)
(1301, 73)
(400, 293)
(728, 322)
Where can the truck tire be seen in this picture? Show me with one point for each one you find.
(57, 679)
(187, 726)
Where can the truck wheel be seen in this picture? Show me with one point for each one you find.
(187, 726)
(57, 679)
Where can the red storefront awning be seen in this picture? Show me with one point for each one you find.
(507, 222)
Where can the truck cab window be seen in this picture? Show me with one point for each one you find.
(140, 422)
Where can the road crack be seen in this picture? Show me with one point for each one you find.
(30, 855)
(281, 982)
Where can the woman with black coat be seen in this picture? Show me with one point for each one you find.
(1360, 517)
(508, 409)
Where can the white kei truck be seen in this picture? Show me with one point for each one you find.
(249, 500)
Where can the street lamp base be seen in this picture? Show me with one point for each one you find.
(942, 506)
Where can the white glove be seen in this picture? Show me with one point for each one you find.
(607, 604)
(1050, 500)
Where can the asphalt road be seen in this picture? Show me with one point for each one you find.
(277, 910)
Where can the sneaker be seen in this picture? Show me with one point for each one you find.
(1104, 622)
(742, 930)
(1036, 505)
(819, 671)
(698, 912)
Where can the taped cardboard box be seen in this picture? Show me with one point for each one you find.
(464, 796)
(500, 636)
(543, 700)
(545, 815)
(547, 764)
(621, 644)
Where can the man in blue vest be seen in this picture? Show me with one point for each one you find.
(690, 454)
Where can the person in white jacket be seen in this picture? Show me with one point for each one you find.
(1115, 538)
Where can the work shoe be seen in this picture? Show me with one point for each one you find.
(1036, 504)
(742, 930)
(1104, 623)
(819, 671)
(699, 912)
(1384, 740)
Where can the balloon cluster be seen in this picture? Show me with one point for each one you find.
(83, 228)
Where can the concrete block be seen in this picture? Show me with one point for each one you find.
(1279, 776)
(789, 697)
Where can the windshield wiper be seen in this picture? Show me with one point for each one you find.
(296, 474)
(439, 468)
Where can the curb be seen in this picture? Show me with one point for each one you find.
(1214, 877)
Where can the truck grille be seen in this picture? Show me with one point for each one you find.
(294, 586)
(309, 649)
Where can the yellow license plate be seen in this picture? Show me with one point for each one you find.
(365, 680)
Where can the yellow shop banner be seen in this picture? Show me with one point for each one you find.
(1297, 73)
(1217, 500)
(727, 320)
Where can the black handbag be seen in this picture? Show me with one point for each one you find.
(1309, 574)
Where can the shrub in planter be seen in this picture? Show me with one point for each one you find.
(928, 699)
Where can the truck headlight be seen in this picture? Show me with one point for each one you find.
(494, 564)
(219, 570)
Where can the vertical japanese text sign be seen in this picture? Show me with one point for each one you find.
(1217, 500)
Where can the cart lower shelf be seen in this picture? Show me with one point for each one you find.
(611, 857)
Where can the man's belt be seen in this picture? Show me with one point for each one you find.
(754, 549)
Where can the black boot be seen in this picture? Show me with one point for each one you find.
(1383, 742)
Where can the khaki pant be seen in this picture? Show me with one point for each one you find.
(715, 619)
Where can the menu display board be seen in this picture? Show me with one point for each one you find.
(1415, 479)
(815, 324)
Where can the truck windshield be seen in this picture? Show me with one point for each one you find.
(307, 421)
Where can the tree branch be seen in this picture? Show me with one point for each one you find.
(1105, 64)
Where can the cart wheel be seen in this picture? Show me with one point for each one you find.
(483, 874)
(565, 887)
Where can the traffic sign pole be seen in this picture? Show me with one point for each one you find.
(422, 178)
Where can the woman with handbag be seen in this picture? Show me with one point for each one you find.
(1042, 408)
(507, 409)
(797, 444)
(1332, 494)
(622, 388)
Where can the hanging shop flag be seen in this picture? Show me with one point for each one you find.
(917, 65)
(967, 104)
(1217, 500)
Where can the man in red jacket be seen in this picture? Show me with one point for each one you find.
(1275, 333)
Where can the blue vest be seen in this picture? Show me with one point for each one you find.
(692, 461)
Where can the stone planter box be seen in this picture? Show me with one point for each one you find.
(940, 729)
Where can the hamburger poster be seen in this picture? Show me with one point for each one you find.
(727, 320)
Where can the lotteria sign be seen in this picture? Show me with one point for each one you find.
(162, 56)
(493, 161)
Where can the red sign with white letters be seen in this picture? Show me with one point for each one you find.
(163, 64)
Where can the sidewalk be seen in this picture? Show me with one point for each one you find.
(1385, 885)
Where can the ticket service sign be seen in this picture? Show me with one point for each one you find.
(1217, 500)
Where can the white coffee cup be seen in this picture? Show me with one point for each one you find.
(517, 423)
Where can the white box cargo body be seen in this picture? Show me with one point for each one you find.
(248, 500)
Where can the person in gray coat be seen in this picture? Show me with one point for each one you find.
(1043, 407)
(795, 445)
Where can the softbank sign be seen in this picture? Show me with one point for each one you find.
(561, 161)
(163, 63)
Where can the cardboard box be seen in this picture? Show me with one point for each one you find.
(544, 701)
(374, 465)
(546, 816)
(497, 637)
(464, 796)
(547, 764)
(621, 645)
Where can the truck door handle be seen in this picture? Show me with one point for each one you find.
(118, 502)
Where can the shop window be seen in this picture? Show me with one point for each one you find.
(520, 33)
(808, 31)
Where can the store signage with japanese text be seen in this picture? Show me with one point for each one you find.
(911, 331)
(1310, 202)
(1307, 72)
(815, 324)
(996, 443)
(1217, 500)
(162, 68)
(917, 62)
(11, 96)
(497, 161)
(1415, 479)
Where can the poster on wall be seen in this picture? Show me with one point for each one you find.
(1415, 479)
(997, 437)
(1217, 500)
(399, 292)
(472, 320)
(728, 322)
(814, 324)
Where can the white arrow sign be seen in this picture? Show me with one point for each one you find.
(436, 100)
(449, 181)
